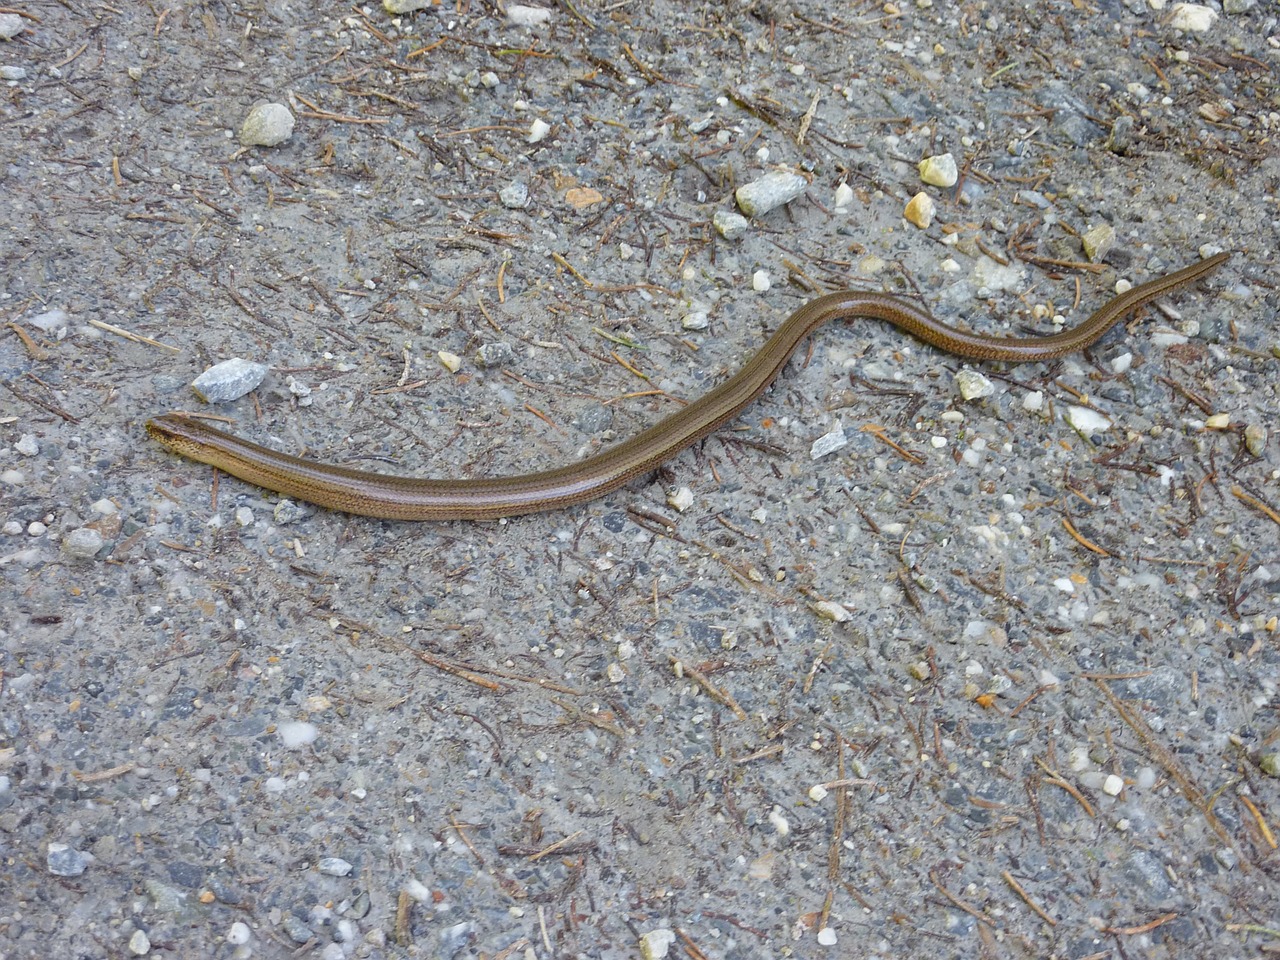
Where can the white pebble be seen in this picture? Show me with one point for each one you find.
(655, 944)
(681, 499)
(1033, 401)
(523, 16)
(450, 361)
(844, 196)
(27, 445)
(334, 866)
(829, 442)
(939, 171)
(1193, 17)
(760, 281)
(1112, 785)
(817, 793)
(229, 380)
(771, 191)
(139, 943)
(827, 937)
(1087, 420)
(1122, 363)
(297, 733)
(697, 320)
(832, 611)
(779, 821)
(538, 130)
(973, 385)
(238, 934)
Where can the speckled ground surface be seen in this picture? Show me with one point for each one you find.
(505, 730)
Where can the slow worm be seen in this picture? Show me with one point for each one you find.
(407, 498)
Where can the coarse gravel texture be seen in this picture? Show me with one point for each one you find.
(978, 683)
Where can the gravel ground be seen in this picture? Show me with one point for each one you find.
(987, 680)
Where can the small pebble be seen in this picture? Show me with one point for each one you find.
(697, 320)
(817, 793)
(244, 517)
(295, 929)
(973, 385)
(655, 944)
(497, 354)
(11, 25)
(827, 937)
(1219, 421)
(1193, 17)
(615, 673)
(1033, 401)
(832, 611)
(139, 943)
(778, 820)
(82, 544)
(681, 499)
(13, 73)
(729, 225)
(1122, 363)
(1112, 785)
(920, 210)
(515, 195)
(524, 16)
(267, 125)
(538, 130)
(334, 867)
(238, 934)
(829, 442)
(229, 380)
(1121, 139)
(450, 361)
(844, 196)
(1098, 242)
(65, 861)
(1255, 438)
(939, 171)
(27, 445)
(287, 512)
(760, 281)
(1087, 421)
(771, 191)
(297, 733)
(406, 6)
